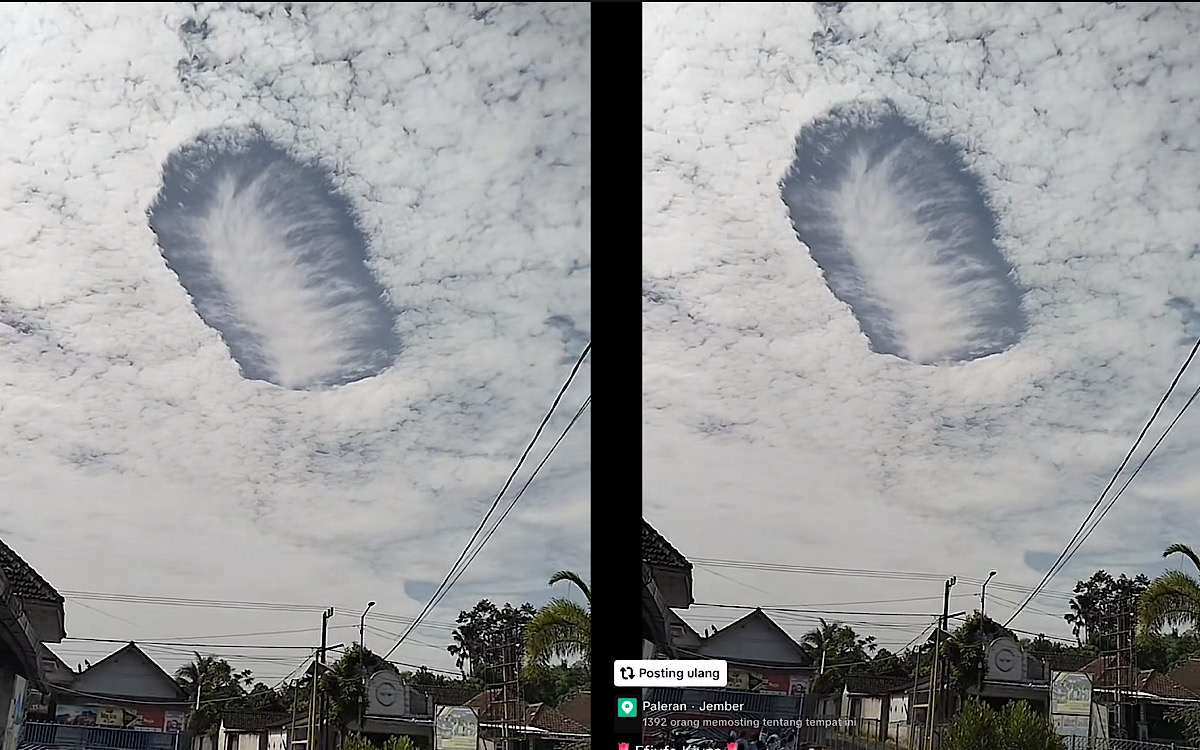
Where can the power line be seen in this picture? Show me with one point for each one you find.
(533, 475)
(186, 645)
(234, 605)
(863, 573)
(816, 611)
(1068, 552)
(495, 503)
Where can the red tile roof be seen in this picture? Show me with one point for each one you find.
(579, 709)
(656, 550)
(1105, 676)
(490, 708)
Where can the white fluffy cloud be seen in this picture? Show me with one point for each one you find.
(134, 458)
(772, 431)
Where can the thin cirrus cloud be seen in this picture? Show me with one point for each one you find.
(274, 260)
(284, 288)
(1037, 158)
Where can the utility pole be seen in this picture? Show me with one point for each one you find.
(324, 646)
(935, 686)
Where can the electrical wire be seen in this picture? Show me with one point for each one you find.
(864, 573)
(500, 495)
(1068, 552)
(533, 475)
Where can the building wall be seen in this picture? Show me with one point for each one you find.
(277, 739)
(249, 741)
(126, 675)
(872, 709)
(15, 713)
(898, 709)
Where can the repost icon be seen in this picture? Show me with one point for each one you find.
(626, 708)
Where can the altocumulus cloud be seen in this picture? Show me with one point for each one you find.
(1022, 216)
(382, 208)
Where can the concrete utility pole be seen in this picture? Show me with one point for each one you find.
(935, 687)
(324, 647)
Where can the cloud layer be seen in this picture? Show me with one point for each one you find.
(903, 236)
(136, 456)
(274, 260)
(773, 432)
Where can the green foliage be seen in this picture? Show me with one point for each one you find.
(553, 685)
(401, 742)
(357, 742)
(1173, 599)
(482, 631)
(218, 684)
(1099, 598)
(561, 630)
(344, 683)
(842, 650)
(1016, 727)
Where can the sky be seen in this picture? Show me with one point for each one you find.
(285, 289)
(914, 277)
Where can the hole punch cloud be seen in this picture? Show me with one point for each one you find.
(904, 235)
(274, 261)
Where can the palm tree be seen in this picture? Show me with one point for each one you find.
(562, 629)
(1172, 599)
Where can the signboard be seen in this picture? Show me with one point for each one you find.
(1071, 694)
(115, 716)
(457, 728)
(1068, 725)
(773, 683)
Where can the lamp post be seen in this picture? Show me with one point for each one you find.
(983, 593)
(362, 666)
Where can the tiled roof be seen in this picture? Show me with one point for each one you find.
(1105, 676)
(578, 709)
(1064, 662)
(1188, 675)
(656, 550)
(537, 715)
(25, 581)
(876, 686)
(247, 721)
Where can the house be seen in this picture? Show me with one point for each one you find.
(31, 614)
(537, 726)
(1148, 695)
(875, 708)
(763, 658)
(124, 701)
(245, 730)
(666, 585)
(769, 675)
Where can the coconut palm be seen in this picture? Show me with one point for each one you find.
(562, 629)
(1172, 599)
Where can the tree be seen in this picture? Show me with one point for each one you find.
(217, 683)
(560, 630)
(966, 650)
(1016, 727)
(343, 683)
(1173, 599)
(1100, 598)
(482, 631)
(839, 650)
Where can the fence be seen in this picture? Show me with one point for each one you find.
(867, 734)
(72, 737)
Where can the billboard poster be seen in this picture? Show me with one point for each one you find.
(457, 729)
(1071, 694)
(116, 717)
(1069, 725)
(772, 683)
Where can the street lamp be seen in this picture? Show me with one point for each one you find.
(362, 666)
(363, 623)
(983, 593)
